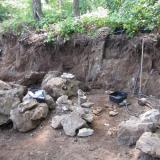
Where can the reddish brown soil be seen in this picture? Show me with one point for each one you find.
(45, 143)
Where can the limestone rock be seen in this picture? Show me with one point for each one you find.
(50, 75)
(67, 76)
(57, 86)
(130, 131)
(63, 104)
(113, 113)
(4, 85)
(149, 143)
(71, 123)
(40, 112)
(82, 98)
(28, 115)
(45, 97)
(85, 132)
(10, 98)
(56, 122)
(87, 104)
(84, 113)
(50, 102)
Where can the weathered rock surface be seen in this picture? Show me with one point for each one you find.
(85, 132)
(82, 98)
(149, 143)
(130, 131)
(72, 117)
(56, 122)
(10, 98)
(57, 86)
(84, 113)
(42, 96)
(71, 123)
(67, 76)
(113, 113)
(31, 78)
(63, 105)
(87, 104)
(28, 115)
(50, 102)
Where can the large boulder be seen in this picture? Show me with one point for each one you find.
(28, 115)
(58, 86)
(10, 97)
(149, 144)
(130, 131)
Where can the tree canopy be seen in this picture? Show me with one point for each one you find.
(65, 17)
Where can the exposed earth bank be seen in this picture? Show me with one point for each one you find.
(108, 61)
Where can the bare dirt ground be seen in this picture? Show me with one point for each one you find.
(45, 143)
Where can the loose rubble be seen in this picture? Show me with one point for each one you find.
(73, 117)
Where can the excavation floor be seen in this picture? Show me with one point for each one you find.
(45, 143)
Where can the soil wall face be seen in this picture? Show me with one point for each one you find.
(105, 61)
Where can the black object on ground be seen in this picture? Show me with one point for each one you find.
(118, 96)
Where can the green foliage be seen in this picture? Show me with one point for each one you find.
(135, 15)
(131, 15)
(70, 26)
(4, 12)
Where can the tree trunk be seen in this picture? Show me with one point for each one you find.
(76, 10)
(37, 9)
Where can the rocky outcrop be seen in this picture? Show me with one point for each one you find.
(10, 97)
(28, 115)
(130, 131)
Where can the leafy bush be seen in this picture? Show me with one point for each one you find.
(70, 26)
(4, 12)
(135, 15)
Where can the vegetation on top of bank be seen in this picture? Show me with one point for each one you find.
(57, 17)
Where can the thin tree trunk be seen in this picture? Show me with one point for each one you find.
(37, 9)
(76, 10)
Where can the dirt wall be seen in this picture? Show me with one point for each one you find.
(104, 61)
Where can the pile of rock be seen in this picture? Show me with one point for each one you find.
(142, 131)
(75, 119)
(26, 111)
(36, 104)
